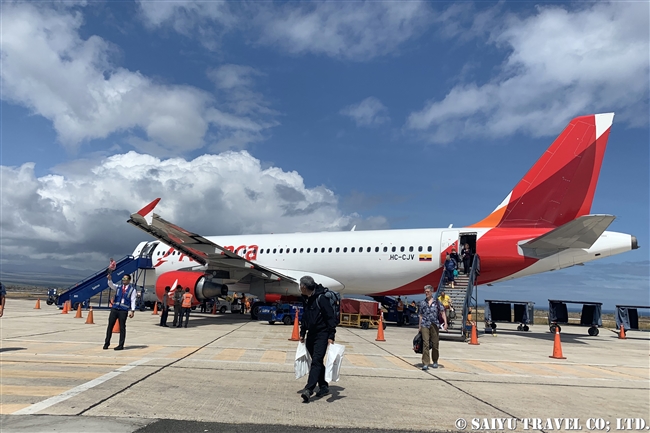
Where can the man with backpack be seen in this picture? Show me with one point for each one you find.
(319, 319)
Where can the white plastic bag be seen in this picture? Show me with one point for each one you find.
(335, 354)
(303, 361)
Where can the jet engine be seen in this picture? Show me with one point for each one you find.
(200, 287)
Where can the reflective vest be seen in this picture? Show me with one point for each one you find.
(122, 301)
(187, 300)
(400, 306)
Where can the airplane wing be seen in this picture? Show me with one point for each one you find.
(582, 232)
(202, 250)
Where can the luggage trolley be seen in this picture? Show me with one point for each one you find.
(628, 316)
(501, 311)
(590, 315)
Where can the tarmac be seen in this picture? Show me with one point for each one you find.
(228, 373)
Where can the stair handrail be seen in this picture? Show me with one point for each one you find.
(474, 272)
(96, 274)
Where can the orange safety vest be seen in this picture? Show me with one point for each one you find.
(187, 300)
(400, 306)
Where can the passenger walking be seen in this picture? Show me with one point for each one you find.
(319, 327)
(431, 311)
(111, 266)
(187, 306)
(467, 259)
(3, 295)
(454, 256)
(165, 308)
(123, 304)
(450, 267)
(178, 293)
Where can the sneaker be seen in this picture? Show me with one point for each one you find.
(305, 394)
(323, 390)
(434, 365)
(425, 367)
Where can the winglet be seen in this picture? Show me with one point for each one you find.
(147, 211)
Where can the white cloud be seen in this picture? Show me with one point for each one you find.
(349, 30)
(80, 214)
(561, 63)
(50, 69)
(369, 112)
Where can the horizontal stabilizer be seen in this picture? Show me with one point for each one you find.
(582, 232)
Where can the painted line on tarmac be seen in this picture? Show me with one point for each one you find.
(37, 407)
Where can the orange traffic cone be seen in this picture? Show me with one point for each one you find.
(65, 308)
(116, 327)
(621, 334)
(38, 305)
(155, 309)
(89, 319)
(380, 329)
(557, 346)
(474, 338)
(295, 335)
(78, 315)
(214, 308)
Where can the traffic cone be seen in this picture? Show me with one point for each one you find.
(65, 308)
(78, 315)
(155, 309)
(116, 327)
(214, 308)
(295, 335)
(38, 305)
(557, 346)
(89, 319)
(380, 329)
(474, 338)
(621, 334)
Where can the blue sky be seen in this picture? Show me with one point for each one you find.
(371, 113)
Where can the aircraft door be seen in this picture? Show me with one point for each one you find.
(448, 240)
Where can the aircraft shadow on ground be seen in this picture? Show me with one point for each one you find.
(565, 336)
(206, 319)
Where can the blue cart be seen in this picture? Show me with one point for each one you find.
(284, 313)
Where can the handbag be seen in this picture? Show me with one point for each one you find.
(303, 361)
(334, 359)
(455, 272)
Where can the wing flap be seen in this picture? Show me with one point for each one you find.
(582, 232)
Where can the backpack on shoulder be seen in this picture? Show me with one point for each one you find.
(334, 299)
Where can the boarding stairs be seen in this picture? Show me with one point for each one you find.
(463, 297)
(84, 290)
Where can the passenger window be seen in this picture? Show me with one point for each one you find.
(385, 249)
(262, 251)
(368, 249)
(330, 250)
(274, 250)
(345, 249)
(420, 249)
(337, 249)
(352, 249)
(301, 250)
(281, 249)
(376, 249)
(410, 249)
(401, 249)
(429, 249)
(394, 249)
(309, 250)
(322, 250)
(268, 250)
(294, 250)
(316, 249)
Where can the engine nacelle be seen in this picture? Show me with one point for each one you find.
(200, 287)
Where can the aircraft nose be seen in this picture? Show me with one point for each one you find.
(635, 243)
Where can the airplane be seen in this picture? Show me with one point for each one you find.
(543, 224)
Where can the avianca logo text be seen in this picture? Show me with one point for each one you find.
(247, 252)
(169, 252)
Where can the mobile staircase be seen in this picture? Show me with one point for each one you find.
(84, 290)
(463, 297)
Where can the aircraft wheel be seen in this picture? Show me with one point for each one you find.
(553, 327)
(519, 328)
(49, 302)
(287, 320)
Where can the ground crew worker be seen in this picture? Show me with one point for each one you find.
(177, 307)
(400, 311)
(187, 307)
(123, 304)
(165, 308)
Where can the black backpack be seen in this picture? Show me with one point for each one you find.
(334, 299)
(417, 343)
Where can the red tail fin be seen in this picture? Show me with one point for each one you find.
(560, 186)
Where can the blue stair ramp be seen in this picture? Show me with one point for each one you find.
(82, 291)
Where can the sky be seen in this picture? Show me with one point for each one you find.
(269, 117)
